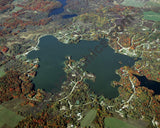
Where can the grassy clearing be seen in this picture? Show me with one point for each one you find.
(2, 73)
(153, 4)
(133, 3)
(150, 15)
(8, 117)
(88, 119)
(116, 123)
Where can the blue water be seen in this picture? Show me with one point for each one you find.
(61, 10)
(58, 10)
(69, 16)
(50, 74)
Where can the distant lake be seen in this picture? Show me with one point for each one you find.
(61, 10)
(58, 10)
(69, 16)
(52, 56)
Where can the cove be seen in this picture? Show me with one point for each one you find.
(150, 84)
(52, 56)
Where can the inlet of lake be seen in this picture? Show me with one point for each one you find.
(52, 56)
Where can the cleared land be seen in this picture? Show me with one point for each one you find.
(2, 73)
(88, 119)
(153, 4)
(116, 123)
(150, 15)
(133, 3)
(8, 117)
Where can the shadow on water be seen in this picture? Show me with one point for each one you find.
(150, 84)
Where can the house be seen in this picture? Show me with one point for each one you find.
(5, 49)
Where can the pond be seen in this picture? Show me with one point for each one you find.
(52, 56)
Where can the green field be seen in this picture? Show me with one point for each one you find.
(8, 117)
(116, 123)
(133, 3)
(88, 119)
(152, 4)
(2, 73)
(150, 15)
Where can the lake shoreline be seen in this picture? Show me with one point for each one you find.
(52, 55)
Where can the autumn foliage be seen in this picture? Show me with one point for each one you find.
(11, 86)
(45, 120)
(41, 5)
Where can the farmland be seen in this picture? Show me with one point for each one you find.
(10, 118)
(2, 73)
(134, 3)
(116, 123)
(152, 16)
(88, 119)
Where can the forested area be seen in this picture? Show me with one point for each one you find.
(12, 85)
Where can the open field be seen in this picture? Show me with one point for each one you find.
(88, 119)
(153, 3)
(8, 117)
(116, 123)
(133, 3)
(150, 15)
(2, 73)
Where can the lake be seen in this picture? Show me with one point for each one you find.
(58, 10)
(52, 56)
(61, 10)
